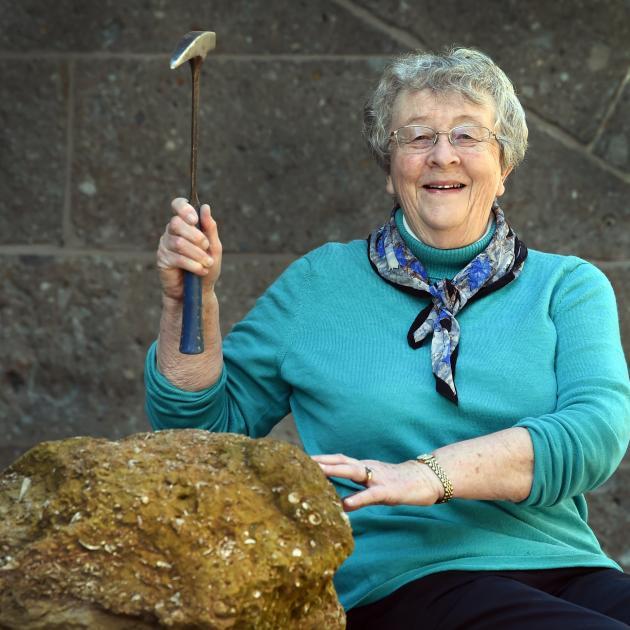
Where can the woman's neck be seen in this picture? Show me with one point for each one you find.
(443, 263)
(412, 233)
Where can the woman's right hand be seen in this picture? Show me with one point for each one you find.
(184, 246)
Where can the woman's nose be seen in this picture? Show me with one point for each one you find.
(443, 152)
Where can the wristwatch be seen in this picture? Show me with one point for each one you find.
(430, 461)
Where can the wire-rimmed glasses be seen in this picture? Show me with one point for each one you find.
(418, 138)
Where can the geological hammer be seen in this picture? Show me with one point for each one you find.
(193, 47)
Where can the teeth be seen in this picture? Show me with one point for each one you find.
(445, 187)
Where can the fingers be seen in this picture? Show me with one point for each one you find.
(336, 458)
(209, 227)
(386, 483)
(185, 222)
(183, 209)
(183, 245)
(339, 465)
(376, 495)
(177, 254)
(355, 472)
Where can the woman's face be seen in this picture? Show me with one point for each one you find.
(457, 216)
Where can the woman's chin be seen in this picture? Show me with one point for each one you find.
(445, 220)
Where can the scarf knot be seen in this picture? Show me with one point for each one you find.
(497, 265)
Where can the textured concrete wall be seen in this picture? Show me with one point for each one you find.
(94, 145)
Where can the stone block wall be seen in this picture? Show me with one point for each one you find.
(94, 139)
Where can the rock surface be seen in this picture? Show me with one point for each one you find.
(178, 529)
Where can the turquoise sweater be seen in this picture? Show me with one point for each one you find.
(327, 341)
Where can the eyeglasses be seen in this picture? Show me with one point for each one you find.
(417, 138)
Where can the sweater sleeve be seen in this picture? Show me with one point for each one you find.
(250, 395)
(580, 444)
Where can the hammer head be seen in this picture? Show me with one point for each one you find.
(193, 44)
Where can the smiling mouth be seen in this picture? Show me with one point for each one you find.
(444, 186)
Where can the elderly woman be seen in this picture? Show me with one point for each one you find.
(465, 487)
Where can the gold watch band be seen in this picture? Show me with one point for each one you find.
(430, 461)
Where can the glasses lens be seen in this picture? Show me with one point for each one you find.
(469, 136)
(414, 137)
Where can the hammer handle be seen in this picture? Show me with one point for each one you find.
(191, 340)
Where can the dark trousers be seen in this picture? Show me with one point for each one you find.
(575, 599)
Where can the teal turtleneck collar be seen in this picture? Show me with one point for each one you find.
(442, 263)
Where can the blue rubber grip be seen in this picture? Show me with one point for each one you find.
(191, 341)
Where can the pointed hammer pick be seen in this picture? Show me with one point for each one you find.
(193, 47)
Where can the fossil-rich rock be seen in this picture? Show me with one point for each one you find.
(179, 529)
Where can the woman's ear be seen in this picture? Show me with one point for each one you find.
(501, 186)
(389, 186)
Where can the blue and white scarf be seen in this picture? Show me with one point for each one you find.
(497, 265)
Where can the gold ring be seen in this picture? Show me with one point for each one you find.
(368, 475)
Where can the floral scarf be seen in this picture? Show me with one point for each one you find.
(497, 265)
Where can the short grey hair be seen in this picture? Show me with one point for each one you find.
(461, 70)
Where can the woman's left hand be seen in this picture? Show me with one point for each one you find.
(409, 483)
